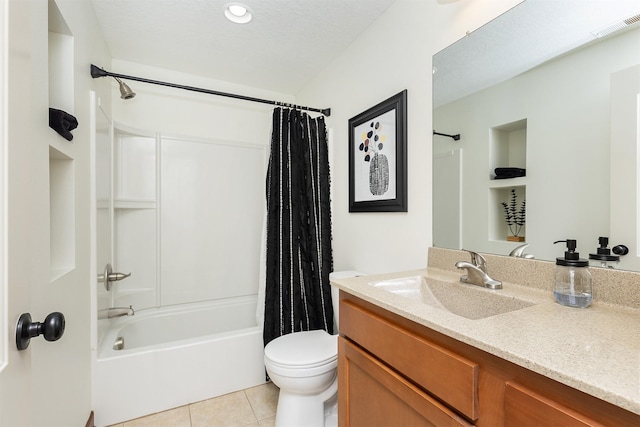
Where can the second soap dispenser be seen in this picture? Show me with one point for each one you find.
(572, 281)
(603, 257)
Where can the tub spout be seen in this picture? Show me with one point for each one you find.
(109, 313)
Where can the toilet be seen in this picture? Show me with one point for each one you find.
(304, 366)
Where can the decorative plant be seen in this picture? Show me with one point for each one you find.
(514, 217)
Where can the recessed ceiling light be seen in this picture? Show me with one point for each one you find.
(238, 13)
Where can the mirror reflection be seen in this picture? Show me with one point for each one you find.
(545, 99)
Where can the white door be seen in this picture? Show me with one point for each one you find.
(42, 248)
(15, 368)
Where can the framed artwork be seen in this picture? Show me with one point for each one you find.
(378, 157)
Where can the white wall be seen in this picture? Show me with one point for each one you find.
(392, 55)
(180, 112)
(625, 142)
(567, 106)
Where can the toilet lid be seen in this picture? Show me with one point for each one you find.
(308, 349)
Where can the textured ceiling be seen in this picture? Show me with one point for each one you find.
(526, 36)
(286, 45)
(290, 41)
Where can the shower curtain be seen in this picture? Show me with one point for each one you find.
(299, 257)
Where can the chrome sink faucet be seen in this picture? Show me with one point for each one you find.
(477, 272)
(519, 252)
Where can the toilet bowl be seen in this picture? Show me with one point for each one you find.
(304, 366)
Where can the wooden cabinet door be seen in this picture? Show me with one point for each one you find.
(451, 378)
(370, 394)
(523, 408)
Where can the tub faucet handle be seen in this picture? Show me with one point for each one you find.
(114, 277)
(109, 276)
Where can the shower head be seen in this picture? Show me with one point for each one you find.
(125, 90)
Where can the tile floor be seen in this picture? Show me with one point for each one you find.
(253, 407)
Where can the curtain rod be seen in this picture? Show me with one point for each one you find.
(99, 72)
(455, 137)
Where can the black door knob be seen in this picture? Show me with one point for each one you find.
(52, 328)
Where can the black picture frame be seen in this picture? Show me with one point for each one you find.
(378, 157)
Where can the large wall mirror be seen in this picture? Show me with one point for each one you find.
(549, 90)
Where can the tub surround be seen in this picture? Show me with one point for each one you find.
(594, 350)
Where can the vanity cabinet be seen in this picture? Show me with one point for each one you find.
(395, 372)
(378, 395)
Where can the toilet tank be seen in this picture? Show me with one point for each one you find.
(334, 292)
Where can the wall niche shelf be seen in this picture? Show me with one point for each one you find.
(498, 228)
(508, 183)
(61, 70)
(508, 146)
(61, 214)
(507, 149)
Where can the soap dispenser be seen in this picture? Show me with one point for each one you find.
(603, 256)
(572, 280)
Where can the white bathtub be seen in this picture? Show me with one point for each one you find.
(176, 355)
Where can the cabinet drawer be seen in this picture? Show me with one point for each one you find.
(372, 394)
(524, 408)
(448, 376)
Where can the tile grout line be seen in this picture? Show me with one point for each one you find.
(257, 420)
(253, 411)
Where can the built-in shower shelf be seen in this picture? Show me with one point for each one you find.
(134, 204)
(511, 182)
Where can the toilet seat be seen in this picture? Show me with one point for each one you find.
(303, 351)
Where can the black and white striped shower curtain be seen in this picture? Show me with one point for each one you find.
(299, 257)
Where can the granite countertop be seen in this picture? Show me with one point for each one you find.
(595, 350)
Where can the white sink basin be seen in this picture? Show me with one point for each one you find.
(472, 302)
